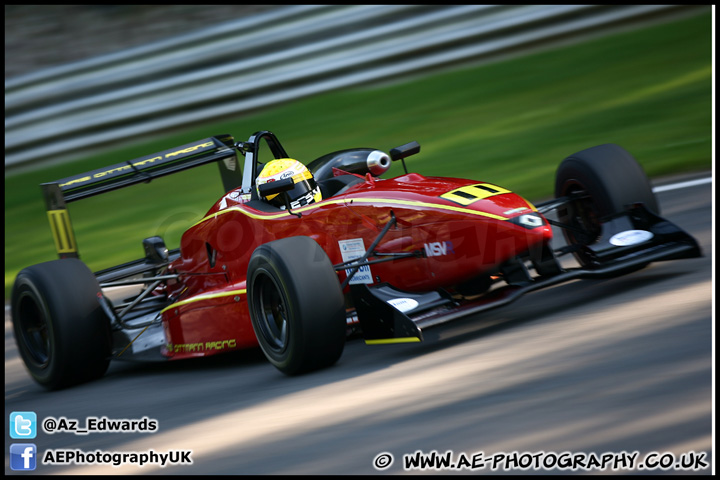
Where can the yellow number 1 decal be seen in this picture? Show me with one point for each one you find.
(472, 193)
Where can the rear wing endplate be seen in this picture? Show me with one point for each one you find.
(59, 193)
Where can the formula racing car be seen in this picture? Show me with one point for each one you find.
(294, 258)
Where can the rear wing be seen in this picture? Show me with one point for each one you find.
(59, 193)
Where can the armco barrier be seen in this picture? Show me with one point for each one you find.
(269, 58)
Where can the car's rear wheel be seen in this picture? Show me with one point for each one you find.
(296, 305)
(62, 333)
(602, 180)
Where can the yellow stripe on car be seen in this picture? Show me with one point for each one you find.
(385, 341)
(387, 201)
(199, 298)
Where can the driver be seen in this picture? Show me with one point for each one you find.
(305, 192)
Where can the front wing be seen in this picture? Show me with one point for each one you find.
(629, 241)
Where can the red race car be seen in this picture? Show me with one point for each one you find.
(295, 258)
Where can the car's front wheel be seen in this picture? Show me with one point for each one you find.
(600, 181)
(296, 305)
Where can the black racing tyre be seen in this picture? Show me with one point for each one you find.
(604, 179)
(61, 331)
(296, 305)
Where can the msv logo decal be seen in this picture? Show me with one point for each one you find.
(439, 249)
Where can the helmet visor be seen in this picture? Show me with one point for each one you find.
(303, 193)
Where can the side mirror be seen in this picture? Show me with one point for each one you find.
(404, 151)
(399, 153)
(155, 250)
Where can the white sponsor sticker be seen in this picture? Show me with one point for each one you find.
(351, 250)
(233, 198)
(403, 304)
(630, 237)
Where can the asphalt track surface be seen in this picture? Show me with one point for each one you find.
(619, 366)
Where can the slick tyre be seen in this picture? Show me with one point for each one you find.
(604, 179)
(61, 331)
(296, 305)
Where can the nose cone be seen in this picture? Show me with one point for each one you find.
(533, 224)
(521, 220)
